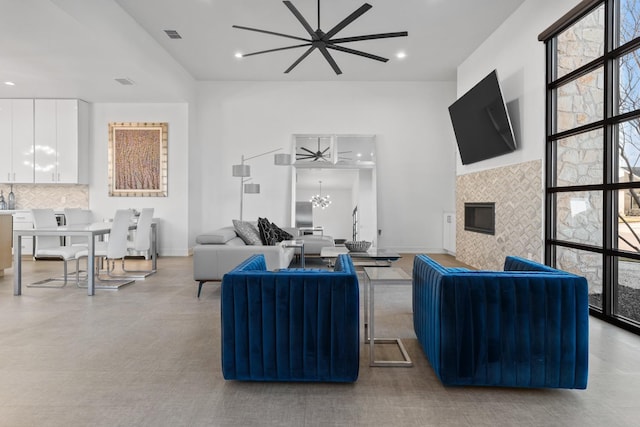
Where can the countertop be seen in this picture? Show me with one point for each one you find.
(26, 211)
(11, 212)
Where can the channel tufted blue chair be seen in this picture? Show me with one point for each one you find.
(290, 325)
(526, 326)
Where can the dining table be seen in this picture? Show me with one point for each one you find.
(89, 231)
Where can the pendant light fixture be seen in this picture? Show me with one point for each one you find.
(320, 201)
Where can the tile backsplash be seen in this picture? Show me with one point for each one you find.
(34, 196)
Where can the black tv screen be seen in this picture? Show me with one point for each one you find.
(481, 122)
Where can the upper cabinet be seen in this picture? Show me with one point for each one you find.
(44, 141)
(61, 141)
(16, 140)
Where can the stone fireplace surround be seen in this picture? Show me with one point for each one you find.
(518, 194)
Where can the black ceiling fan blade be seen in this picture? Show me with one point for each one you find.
(270, 32)
(348, 20)
(299, 60)
(358, 52)
(300, 18)
(370, 37)
(325, 150)
(275, 50)
(330, 59)
(308, 151)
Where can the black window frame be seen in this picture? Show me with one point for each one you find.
(608, 124)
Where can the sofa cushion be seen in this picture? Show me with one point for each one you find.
(247, 232)
(217, 237)
(267, 234)
(236, 241)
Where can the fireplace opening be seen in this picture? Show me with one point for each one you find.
(480, 217)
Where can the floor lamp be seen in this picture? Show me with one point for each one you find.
(243, 172)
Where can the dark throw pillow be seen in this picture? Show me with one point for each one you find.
(280, 233)
(267, 235)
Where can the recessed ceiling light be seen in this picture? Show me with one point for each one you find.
(10, 83)
(238, 55)
(401, 55)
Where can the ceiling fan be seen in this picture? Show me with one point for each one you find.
(314, 156)
(322, 154)
(325, 41)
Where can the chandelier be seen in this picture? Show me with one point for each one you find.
(320, 201)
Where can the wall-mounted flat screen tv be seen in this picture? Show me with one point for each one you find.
(481, 122)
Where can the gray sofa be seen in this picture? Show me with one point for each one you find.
(219, 251)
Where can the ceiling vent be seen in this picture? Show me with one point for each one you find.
(173, 34)
(124, 81)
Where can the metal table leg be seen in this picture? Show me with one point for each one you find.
(370, 338)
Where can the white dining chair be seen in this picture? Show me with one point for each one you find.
(115, 248)
(77, 216)
(141, 242)
(51, 247)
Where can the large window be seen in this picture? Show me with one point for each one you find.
(593, 153)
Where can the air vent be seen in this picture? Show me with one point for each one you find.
(125, 81)
(173, 34)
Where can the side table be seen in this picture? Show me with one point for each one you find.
(382, 276)
(296, 244)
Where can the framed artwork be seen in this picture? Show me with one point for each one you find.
(138, 159)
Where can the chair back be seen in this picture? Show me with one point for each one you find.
(77, 216)
(45, 218)
(142, 239)
(117, 245)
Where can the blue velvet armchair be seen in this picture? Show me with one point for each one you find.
(527, 326)
(290, 325)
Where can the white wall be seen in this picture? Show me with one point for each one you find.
(173, 210)
(415, 146)
(519, 58)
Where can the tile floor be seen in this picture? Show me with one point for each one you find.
(148, 355)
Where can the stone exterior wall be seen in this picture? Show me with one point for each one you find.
(580, 159)
(518, 195)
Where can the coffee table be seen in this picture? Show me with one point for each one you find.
(382, 276)
(372, 258)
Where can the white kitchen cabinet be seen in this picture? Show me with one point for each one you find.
(16, 140)
(61, 141)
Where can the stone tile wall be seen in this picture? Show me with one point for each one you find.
(33, 196)
(519, 197)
